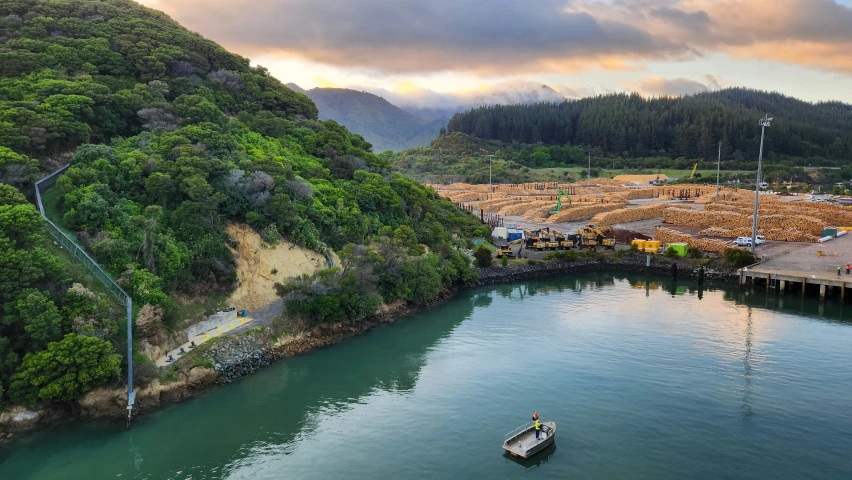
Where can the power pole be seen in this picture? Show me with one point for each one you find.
(764, 122)
(490, 161)
(718, 165)
(589, 178)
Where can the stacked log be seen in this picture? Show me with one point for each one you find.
(576, 213)
(733, 220)
(667, 235)
(626, 215)
(779, 234)
(518, 208)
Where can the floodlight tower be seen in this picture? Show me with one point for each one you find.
(764, 122)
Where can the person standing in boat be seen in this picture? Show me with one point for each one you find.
(536, 424)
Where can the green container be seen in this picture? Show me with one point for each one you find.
(680, 248)
(829, 232)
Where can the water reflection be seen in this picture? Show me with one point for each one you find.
(270, 410)
(536, 461)
(746, 408)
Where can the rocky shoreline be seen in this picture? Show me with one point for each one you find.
(233, 358)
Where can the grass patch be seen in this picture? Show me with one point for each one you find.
(580, 173)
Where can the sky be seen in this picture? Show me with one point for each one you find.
(428, 52)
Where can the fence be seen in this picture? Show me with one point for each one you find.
(81, 256)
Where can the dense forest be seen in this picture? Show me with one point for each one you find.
(170, 137)
(630, 126)
(458, 157)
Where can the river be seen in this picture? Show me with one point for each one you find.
(646, 379)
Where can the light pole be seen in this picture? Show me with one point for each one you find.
(718, 164)
(490, 161)
(764, 122)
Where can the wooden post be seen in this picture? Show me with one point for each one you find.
(782, 285)
(842, 290)
(804, 283)
(768, 277)
(822, 292)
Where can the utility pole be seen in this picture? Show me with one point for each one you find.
(764, 122)
(490, 161)
(718, 165)
(589, 178)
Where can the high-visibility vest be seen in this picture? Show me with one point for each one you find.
(537, 425)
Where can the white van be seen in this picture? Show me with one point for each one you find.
(746, 241)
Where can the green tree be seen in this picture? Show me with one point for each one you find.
(420, 280)
(65, 371)
(39, 316)
(483, 257)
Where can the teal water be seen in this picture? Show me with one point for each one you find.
(645, 379)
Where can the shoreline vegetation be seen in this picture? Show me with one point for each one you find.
(233, 357)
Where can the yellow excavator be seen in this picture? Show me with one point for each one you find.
(550, 239)
(593, 236)
(506, 250)
(534, 241)
(563, 242)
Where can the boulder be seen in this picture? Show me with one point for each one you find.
(19, 418)
(200, 377)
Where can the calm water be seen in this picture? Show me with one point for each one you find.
(645, 380)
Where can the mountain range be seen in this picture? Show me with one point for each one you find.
(392, 121)
(385, 126)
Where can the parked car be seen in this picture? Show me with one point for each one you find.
(746, 241)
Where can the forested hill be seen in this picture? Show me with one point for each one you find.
(384, 125)
(170, 138)
(690, 126)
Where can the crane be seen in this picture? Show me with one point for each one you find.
(693, 171)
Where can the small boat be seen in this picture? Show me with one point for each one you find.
(521, 442)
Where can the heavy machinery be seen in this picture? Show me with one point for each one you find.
(592, 236)
(693, 171)
(506, 250)
(559, 201)
(563, 242)
(534, 239)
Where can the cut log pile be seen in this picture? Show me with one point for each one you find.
(732, 220)
(779, 234)
(626, 215)
(667, 235)
(518, 208)
(576, 213)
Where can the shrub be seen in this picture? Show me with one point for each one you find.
(482, 231)
(482, 256)
(504, 261)
(567, 255)
(671, 253)
(634, 247)
(738, 258)
(65, 371)
(693, 252)
(532, 262)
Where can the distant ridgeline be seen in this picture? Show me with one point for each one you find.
(384, 125)
(631, 126)
(170, 137)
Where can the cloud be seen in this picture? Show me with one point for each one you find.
(673, 87)
(498, 37)
(405, 36)
(432, 104)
